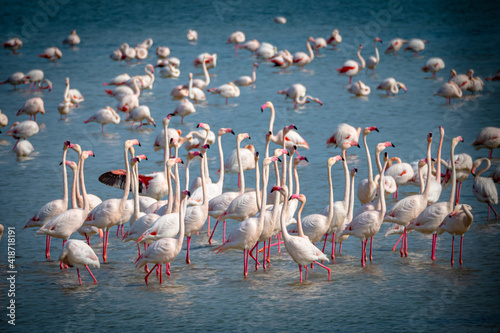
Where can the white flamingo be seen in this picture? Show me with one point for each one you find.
(300, 59)
(228, 90)
(390, 85)
(246, 80)
(139, 114)
(416, 45)
(343, 132)
(395, 45)
(78, 253)
(433, 65)
(367, 188)
(489, 138)
(352, 67)
(484, 187)
(104, 117)
(372, 61)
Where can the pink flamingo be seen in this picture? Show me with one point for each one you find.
(352, 67)
(32, 106)
(78, 253)
(484, 187)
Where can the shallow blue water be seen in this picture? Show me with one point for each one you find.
(390, 294)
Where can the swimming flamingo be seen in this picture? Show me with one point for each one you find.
(395, 45)
(335, 39)
(51, 53)
(372, 61)
(495, 77)
(236, 38)
(299, 247)
(32, 106)
(416, 45)
(489, 138)
(194, 93)
(390, 85)
(252, 45)
(433, 65)
(104, 117)
(246, 80)
(367, 188)
(300, 59)
(484, 188)
(280, 19)
(164, 250)
(64, 106)
(13, 44)
(407, 209)
(475, 83)
(429, 220)
(352, 67)
(72, 39)
(457, 224)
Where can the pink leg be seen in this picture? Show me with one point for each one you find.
(395, 245)
(147, 275)
(264, 257)
(61, 264)
(371, 246)
(158, 268)
(434, 241)
(406, 243)
(340, 248)
(118, 230)
(279, 243)
(224, 232)
(496, 215)
(256, 257)
(268, 250)
(187, 254)
(105, 246)
(362, 253)
(461, 245)
(306, 269)
(161, 277)
(167, 269)
(452, 249)
(333, 247)
(79, 278)
(208, 226)
(415, 54)
(93, 277)
(350, 79)
(491, 153)
(47, 247)
(139, 249)
(213, 231)
(300, 270)
(366, 245)
(328, 269)
(324, 244)
(102, 128)
(123, 226)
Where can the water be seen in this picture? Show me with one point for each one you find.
(390, 294)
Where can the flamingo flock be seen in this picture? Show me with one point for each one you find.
(164, 210)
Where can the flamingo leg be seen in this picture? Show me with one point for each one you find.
(350, 79)
(61, 264)
(305, 266)
(496, 215)
(47, 247)
(461, 245)
(224, 232)
(395, 245)
(366, 245)
(118, 230)
(187, 254)
(300, 270)
(452, 249)
(123, 226)
(161, 277)
(208, 226)
(139, 249)
(147, 275)
(328, 269)
(340, 248)
(333, 247)
(105, 246)
(279, 243)
(362, 253)
(102, 128)
(79, 278)
(491, 153)
(212, 234)
(324, 244)
(93, 277)
(406, 243)
(371, 246)
(434, 241)
(167, 269)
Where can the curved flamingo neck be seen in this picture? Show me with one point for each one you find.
(453, 177)
(205, 72)
(311, 53)
(296, 177)
(369, 160)
(254, 74)
(361, 60)
(74, 189)
(290, 172)
(429, 173)
(135, 193)
(438, 161)
(126, 189)
(480, 171)
(271, 120)
(240, 168)
(137, 90)
(330, 184)
(377, 56)
(300, 231)
(65, 178)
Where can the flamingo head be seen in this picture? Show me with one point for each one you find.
(280, 151)
(242, 136)
(311, 39)
(87, 153)
(206, 127)
(300, 197)
(353, 171)
(429, 137)
(223, 131)
(370, 129)
(151, 68)
(378, 39)
(131, 143)
(276, 188)
(267, 105)
(66, 144)
(299, 159)
(332, 160)
(193, 154)
(402, 86)
(185, 193)
(255, 65)
(72, 165)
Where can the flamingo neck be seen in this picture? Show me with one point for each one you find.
(362, 61)
(65, 178)
(296, 177)
(311, 53)
(254, 74)
(369, 160)
(290, 173)
(330, 184)
(203, 181)
(257, 186)
(86, 202)
(346, 179)
(453, 178)
(67, 98)
(74, 189)
(262, 208)
(438, 161)
(377, 56)
(170, 191)
(429, 173)
(480, 171)
(350, 211)
(220, 182)
(205, 72)
(381, 196)
(300, 231)
(180, 235)
(240, 168)
(271, 120)
(126, 189)
(284, 217)
(135, 193)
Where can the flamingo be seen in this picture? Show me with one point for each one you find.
(35, 77)
(184, 108)
(169, 71)
(195, 93)
(192, 36)
(416, 45)
(141, 54)
(116, 55)
(13, 44)
(367, 224)
(359, 89)
(372, 61)
(343, 132)
(319, 43)
(210, 59)
(430, 219)
(495, 77)
(401, 172)
(64, 106)
(297, 92)
(228, 90)
(339, 237)
(457, 224)
(78, 253)
(335, 39)
(484, 187)
(163, 251)
(367, 188)
(463, 166)
(32, 106)
(449, 90)
(291, 139)
(4, 120)
(179, 93)
(495, 174)
(390, 85)
(104, 117)
(108, 213)
(280, 19)
(198, 83)
(352, 67)
(139, 114)
(395, 45)
(475, 83)
(389, 182)
(340, 207)
(148, 79)
(72, 39)
(299, 247)
(316, 225)
(128, 53)
(266, 51)
(68, 222)
(252, 45)
(407, 209)
(246, 235)
(130, 101)
(461, 80)
(23, 130)
(236, 38)
(300, 59)
(52, 208)
(489, 138)
(283, 59)
(436, 187)
(15, 79)
(246, 80)
(51, 53)
(433, 65)
(146, 44)
(75, 96)
(162, 52)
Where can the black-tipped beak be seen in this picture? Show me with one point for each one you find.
(295, 127)
(279, 160)
(188, 193)
(232, 132)
(472, 173)
(376, 129)
(342, 158)
(249, 138)
(385, 154)
(208, 146)
(139, 144)
(290, 198)
(393, 145)
(355, 169)
(146, 158)
(305, 159)
(198, 126)
(257, 153)
(261, 109)
(60, 163)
